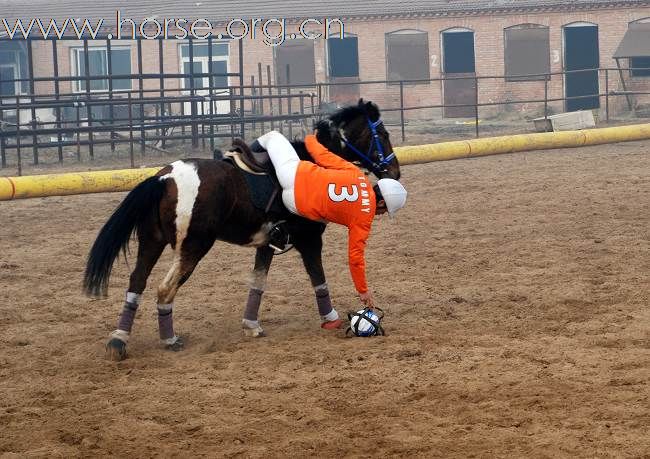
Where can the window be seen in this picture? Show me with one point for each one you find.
(98, 66)
(218, 68)
(639, 35)
(407, 55)
(13, 66)
(298, 55)
(8, 72)
(527, 52)
(343, 57)
(640, 66)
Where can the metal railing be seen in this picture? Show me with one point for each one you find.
(154, 118)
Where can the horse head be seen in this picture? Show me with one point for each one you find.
(357, 134)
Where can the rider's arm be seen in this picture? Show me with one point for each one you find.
(357, 237)
(324, 157)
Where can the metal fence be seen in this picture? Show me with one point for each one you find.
(147, 119)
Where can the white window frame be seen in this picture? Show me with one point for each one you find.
(205, 67)
(77, 62)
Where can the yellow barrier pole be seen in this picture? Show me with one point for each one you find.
(517, 143)
(124, 180)
(35, 186)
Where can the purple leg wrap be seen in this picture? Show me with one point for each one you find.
(253, 304)
(165, 324)
(127, 317)
(323, 300)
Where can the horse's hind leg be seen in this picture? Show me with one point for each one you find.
(185, 260)
(150, 248)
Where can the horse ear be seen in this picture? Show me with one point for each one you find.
(372, 110)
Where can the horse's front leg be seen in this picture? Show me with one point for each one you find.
(311, 249)
(250, 322)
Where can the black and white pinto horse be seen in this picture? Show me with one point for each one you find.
(192, 203)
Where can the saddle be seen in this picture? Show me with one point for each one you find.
(255, 159)
(257, 169)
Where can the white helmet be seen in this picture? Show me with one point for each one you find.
(394, 194)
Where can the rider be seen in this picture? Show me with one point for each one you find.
(333, 190)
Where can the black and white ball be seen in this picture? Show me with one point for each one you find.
(363, 322)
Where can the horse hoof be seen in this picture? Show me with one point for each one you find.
(257, 332)
(116, 350)
(177, 346)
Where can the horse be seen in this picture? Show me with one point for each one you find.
(189, 204)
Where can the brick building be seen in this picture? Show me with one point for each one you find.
(412, 41)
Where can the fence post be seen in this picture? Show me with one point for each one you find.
(232, 118)
(89, 114)
(261, 84)
(270, 91)
(280, 109)
(545, 100)
(211, 82)
(253, 102)
(607, 95)
(241, 89)
(193, 110)
(32, 90)
(161, 83)
(302, 110)
(476, 105)
(203, 122)
(57, 97)
(20, 160)
(130, 103)
(78, 105)
(401, 108)
(320, 96)
(3, 155)
(111, 108)
(141, 95)
(290, 121)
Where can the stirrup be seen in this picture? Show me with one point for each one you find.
(279, 238)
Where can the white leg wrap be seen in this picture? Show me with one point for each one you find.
(133, 297)
(170, 341)
(250, 323)
(121, 335)
(252, 328)
(333, 315)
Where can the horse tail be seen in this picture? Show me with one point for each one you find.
(139, 205)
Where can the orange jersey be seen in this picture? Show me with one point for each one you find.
(336, 190)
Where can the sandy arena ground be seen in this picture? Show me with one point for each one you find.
(516, 291)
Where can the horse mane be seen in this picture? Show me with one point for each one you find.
(347, 114)
(329, 137)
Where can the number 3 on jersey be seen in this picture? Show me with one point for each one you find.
(344, 195)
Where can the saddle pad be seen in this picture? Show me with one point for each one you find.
(261, 186)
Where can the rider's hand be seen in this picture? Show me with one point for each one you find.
(367, 299)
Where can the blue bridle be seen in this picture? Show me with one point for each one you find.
(378, 166)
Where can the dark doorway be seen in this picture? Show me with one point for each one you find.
(458, 61)
(581, 52)
(298, 55)
(343, 68)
